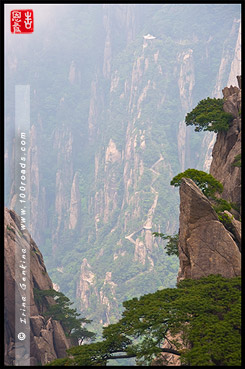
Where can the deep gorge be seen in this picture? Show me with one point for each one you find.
(108, 134)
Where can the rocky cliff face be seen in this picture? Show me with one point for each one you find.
(205, 245)
(111, 137)
(48, 340)
(227, 147)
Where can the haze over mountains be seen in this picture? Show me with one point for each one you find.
(110, 88)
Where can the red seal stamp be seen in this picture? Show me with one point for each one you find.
(21, 21)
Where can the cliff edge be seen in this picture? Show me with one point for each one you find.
(47, 337)
(227, 147)
(206, 246)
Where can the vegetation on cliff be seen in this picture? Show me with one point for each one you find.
(209, 187)
(237, 161)
(206, 313)
(60, 310)
(206, 182)
(172, 244)
(77, 109)
(74, 101)
(209, 115)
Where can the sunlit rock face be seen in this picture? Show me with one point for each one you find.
(205, 245)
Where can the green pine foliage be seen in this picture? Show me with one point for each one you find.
(226, 220)
(237, 161)
(209, 186)
(222, 205)
(205, 312)
(206, 182)
(209, 115)
(64, 107)
(60, 310)
(172, 244)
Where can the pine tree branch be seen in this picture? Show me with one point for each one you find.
(127, 356)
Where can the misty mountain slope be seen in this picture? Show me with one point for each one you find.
(108, 132)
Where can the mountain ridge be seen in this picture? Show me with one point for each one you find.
(108, 105)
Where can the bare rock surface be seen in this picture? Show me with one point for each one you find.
(227, 147)
(205, 245)
(47, 337)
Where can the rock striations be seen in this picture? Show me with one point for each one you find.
(205, 245)
(47, 337)
(228, 146)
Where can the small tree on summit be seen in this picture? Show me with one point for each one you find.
(209, 115)
(206, 182)
(209, 187)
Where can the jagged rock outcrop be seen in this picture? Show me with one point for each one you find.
(125, 18)
(236, 63)
(205, 245)
(236, 229)
(63, 139)
(108, 288)
(85, 283)
(109, 112)
(47, 337)
(106, 295)
(227, 147)
(75, 203)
